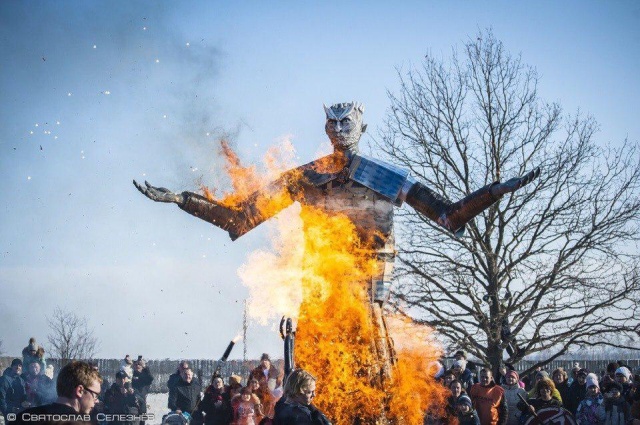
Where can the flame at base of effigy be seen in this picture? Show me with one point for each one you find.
(338, 335)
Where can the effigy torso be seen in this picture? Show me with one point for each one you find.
(369, 211)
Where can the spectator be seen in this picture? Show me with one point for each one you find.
(465, 413)
(39, 388)
(105, 386)
(543, 374)
(174, 378)
(216, 404)
(141, 381)
(456, 391)
(12, 389)
(295, 408)
(529, 380)
(462, 374)
(33, 353)
(184, 397)
(246, 411)
(462, 355)
(561, 380)
(122, 399)
(235, 386)
(543, 399)
(577, 391)
(268, 379)
(126, 365)
(488, 400)
(502, 374)
(587, 412)
(448, 378)
(610, 374)
(78, 387)
(470, 366)
(511, 391)
(615, 410)
(574, 373)
(624, 378)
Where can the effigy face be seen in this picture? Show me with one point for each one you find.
(344, 125)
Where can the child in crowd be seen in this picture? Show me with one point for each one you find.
(466, 414)
(587, 413)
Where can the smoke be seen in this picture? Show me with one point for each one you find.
(120, 73)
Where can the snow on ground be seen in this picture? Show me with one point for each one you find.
(158, 406)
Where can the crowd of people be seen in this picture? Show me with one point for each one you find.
(609, 397)
(81, 394)
(478, 396)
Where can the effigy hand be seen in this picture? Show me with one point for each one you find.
(159, 194)
(515, 183)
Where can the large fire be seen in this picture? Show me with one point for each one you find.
(317, 271)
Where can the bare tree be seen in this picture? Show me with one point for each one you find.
(548, 268)
(70, 337)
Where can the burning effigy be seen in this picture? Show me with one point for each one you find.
(333, 265)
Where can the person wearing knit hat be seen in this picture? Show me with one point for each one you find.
(623, 374)
(588, 409)
(511, 391)
(462, 374)
(30, 355)
(592, 381)
(616, 409)
(577, 391)
(466, 414)
(624, 377)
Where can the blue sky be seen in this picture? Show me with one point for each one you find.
(119, 90)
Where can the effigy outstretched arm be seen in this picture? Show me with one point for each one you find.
(236, 220)
(454, 216)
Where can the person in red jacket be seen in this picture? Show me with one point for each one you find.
(488, 400)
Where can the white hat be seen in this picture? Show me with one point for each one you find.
(592, 380)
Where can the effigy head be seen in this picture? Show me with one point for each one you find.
(344, 125)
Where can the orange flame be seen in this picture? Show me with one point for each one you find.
(318, 270)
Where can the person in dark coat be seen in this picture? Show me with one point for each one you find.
(40, 388)
(216, 404)
(12, 389)
(122, 399)
(577, 391)
(184, 397)
(78, 387)
(174, 378)
(295, 407)
(561, 380)
(615, 410)
(465, 412)
(141, 381)
(33, 353)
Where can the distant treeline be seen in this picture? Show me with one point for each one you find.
(161, 369)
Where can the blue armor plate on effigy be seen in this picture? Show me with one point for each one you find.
(379, 176)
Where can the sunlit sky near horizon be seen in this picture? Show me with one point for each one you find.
(94, 94)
